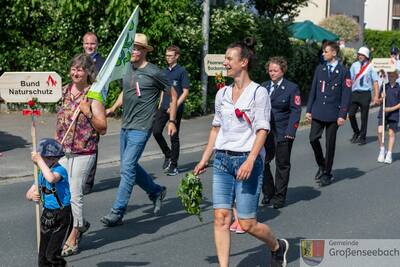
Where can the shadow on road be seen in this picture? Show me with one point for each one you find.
(347, 173)
(171, 212)
(122, 263)
(10, 142)
(261, 255)
(371, 139)
(301, 193)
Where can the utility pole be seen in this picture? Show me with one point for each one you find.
(205, 31)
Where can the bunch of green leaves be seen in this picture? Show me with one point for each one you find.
(190, 193)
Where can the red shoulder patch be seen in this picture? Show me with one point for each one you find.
(297, 100)
(296, 125)
(348, 82)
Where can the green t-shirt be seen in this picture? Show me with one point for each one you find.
(142, 88)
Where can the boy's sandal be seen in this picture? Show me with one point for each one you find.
(69, 250)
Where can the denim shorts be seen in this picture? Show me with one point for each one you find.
(227, 190)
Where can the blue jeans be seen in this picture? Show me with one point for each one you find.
(132, 144)
(227, 190)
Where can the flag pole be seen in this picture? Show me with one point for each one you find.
(35, 175)
(74, 117)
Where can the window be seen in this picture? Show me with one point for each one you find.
(396, 8)
(396, 23)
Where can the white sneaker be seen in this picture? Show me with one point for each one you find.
(388, 158)
(381, 157)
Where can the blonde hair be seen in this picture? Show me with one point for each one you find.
(280, 61)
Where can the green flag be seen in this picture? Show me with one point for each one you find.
(118, 61)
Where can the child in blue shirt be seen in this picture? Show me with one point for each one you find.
(392, 106)
(54, 193)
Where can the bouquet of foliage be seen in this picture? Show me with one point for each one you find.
(190, 193)
(219, 80)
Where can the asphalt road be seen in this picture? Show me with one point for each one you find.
(361, 203)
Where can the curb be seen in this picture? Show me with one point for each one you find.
(115, 161)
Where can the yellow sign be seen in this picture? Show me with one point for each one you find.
(386, 64)
(214, 63)
(20, 87)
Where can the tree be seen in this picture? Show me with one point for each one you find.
(343, 26)
(278, 9)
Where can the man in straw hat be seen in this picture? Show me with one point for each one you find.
(141, 88)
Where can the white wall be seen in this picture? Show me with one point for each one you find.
(315, 11)
(376, 14)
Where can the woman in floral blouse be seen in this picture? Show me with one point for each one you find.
(80, 143)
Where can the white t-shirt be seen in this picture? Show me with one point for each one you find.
(236, 134)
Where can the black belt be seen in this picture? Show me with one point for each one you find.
(362, 91)
(232, 153)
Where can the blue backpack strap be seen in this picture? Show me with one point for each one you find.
(255, 92)
(223, 94)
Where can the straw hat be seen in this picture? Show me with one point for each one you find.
(141, 40)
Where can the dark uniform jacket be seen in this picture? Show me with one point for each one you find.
(330, 95)
(99, 61)
(285, 109)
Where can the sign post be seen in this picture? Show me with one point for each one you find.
(214, 64)
(32, 88)
(383, 65)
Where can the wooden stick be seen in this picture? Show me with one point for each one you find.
(383, 114)
(35, 175)
(383, 77)
(74, 117)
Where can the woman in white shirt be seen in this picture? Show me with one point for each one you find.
(238, 133)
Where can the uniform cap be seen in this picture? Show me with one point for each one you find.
(363, 51)
(49, 147)
(394, 51)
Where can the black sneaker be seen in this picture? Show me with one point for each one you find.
(167, 162)
(111, 219)
(278, 258)
(361, 141)
(278, 205)
(319, 173)
(354, 138)
(172, 170)
(326, 179)
(157, 202)
(265, 200)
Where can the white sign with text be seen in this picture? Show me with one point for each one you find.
(386, 64)
(214, 63)
(20, 87)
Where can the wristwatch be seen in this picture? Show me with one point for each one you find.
(173, 121)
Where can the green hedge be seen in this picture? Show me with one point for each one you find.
(381, 41)
(44, 35)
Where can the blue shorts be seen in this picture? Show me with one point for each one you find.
(227, 190)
